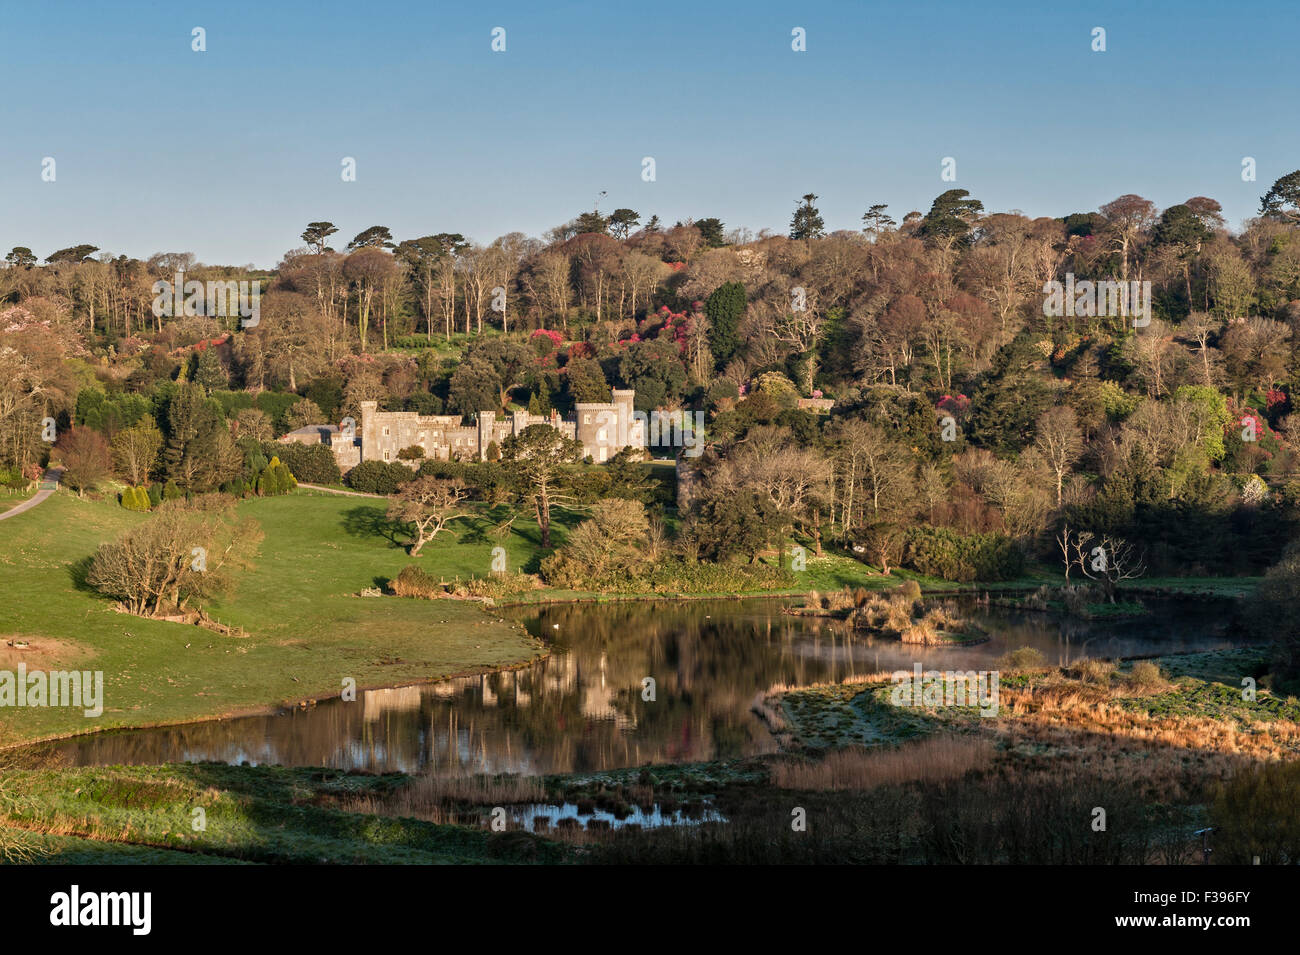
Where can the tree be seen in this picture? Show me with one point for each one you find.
(1126, 218)
(786, 476)
(1105, 559)
(725, 307)
(274, 479)
(622, 221)
(1282, 201)
(591, 222)
(951, 217)
(875, 222)
(1182, 231)
(807, 221)
(21, 257)
(428, 504)
(655, 371)
(302, 413)
(183, 551)
(423, 257)
(208, 372)
(376, 237)
(539, 455)
(85, 457)
(72, 255)
(252, 423)
(316, 234)
(368, 267)
(711, 231)
(586, 381)
(1059, 441)
(604, 551)
(135, 451)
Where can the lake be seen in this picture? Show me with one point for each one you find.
(582, 708)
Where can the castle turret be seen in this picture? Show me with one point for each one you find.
(624, 399)
(369, 433)
(486, 421)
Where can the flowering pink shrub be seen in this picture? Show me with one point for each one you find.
(955, 406)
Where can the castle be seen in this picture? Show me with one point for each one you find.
(603, 428)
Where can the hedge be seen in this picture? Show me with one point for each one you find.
(310, 463)
(379, 477)
(940, 552)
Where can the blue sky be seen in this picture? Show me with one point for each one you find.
(230, 152)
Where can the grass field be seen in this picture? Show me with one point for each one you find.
(307, 632)
(10, 499)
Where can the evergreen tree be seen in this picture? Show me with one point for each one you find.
(725, 307)
(807, 221)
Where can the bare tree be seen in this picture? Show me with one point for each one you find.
(1059, 441)
(428, 504)
(1107, 560)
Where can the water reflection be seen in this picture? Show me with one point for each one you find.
(582, 709)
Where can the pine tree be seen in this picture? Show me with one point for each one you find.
(807, 221)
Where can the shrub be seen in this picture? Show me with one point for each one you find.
(135, 499)
(944, 553)
(276, 479)
(13, 478)
(414, 581)
(155, 494)
(676, 575)
(379, 477)
(1094, 671)
(1024, 658)
(310, 463)
(1146, 675)
(501, 585)
(909, 589)
(411, 452)
(171, 491)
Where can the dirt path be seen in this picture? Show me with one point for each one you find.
(334, 490)
(49, 484)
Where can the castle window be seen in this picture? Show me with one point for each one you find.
(387, 454)
(601, 435)
(385, 432)
(586, 419)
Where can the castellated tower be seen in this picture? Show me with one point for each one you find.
(369, 433)
(486, 423)
(623, 431)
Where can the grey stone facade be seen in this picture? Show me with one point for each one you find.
(604, 429)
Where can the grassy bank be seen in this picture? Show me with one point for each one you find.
(263, 815)
(307, 629)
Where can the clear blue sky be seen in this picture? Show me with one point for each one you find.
(229, 153)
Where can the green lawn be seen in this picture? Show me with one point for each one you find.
(307, 632)
(10, 499)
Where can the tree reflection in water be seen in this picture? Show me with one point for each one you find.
(582, 709)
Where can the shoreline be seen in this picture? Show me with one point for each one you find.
(274, 709)
(277, 709)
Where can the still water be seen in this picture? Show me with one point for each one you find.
(581, 709)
